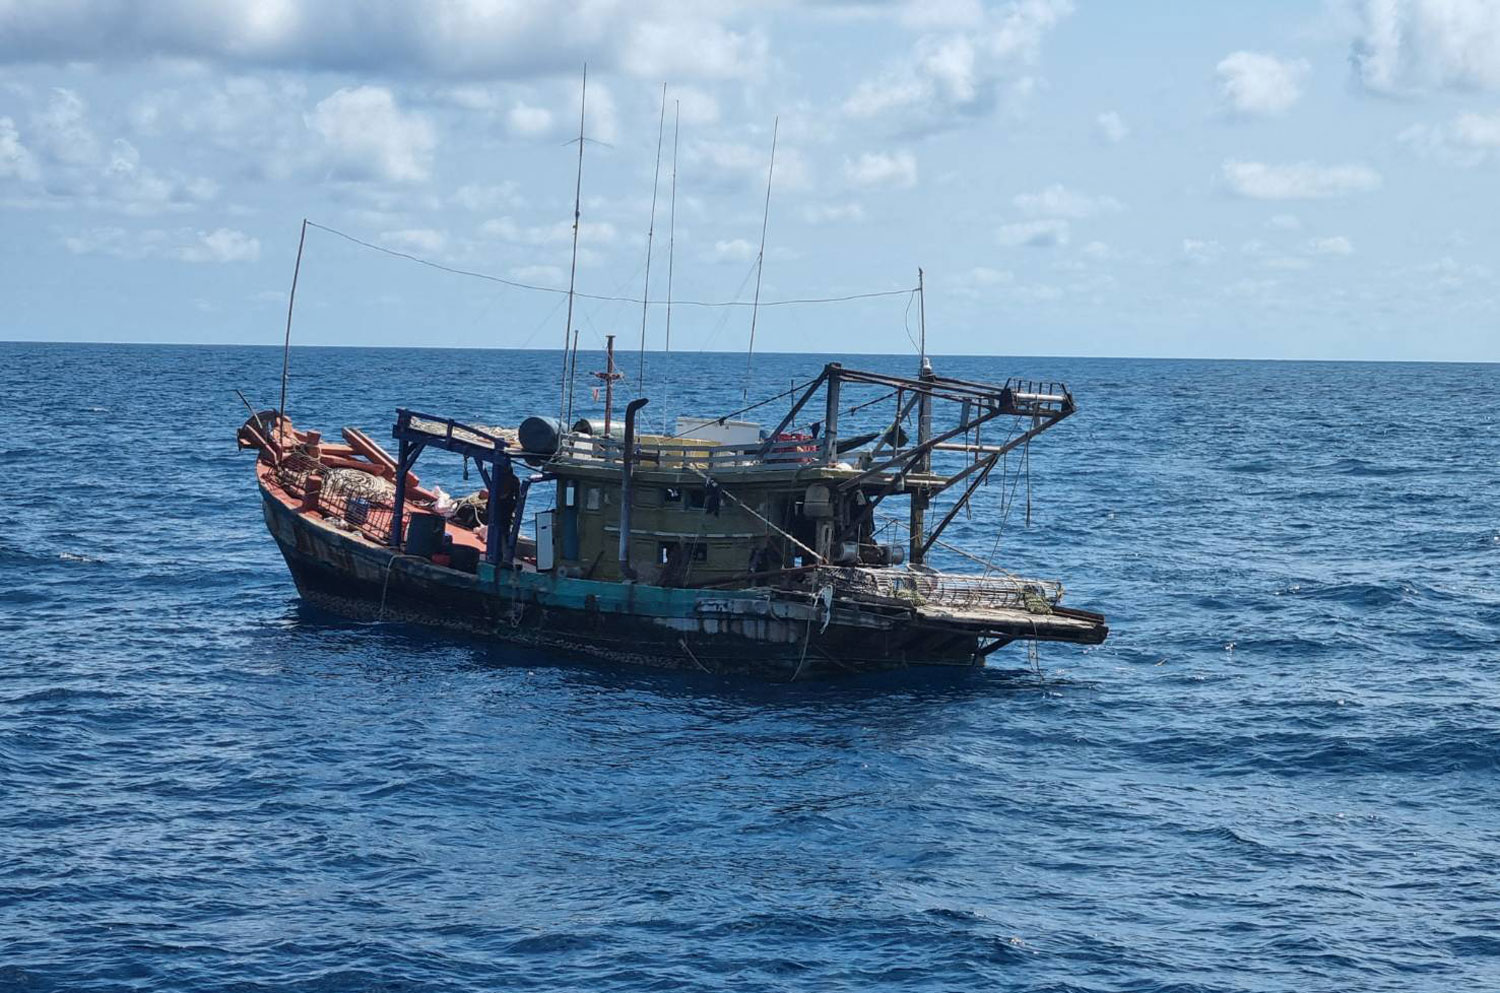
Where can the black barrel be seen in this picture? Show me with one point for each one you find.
(539, 435)
(424, 535)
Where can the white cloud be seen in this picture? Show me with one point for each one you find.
(678, 43)
(366, 136)
(415, 240)
(62, 130)
(1285, 222)
(1034, 234)
(1336, 245)
(1059, 201)
(116, 242)
(727, 166)
(1253, 84)
(1097, 250)
(262, 123)
(1413, 45)
(543, 275)
(1300, 181)
(882, 170)
(1468, 140)
(1200, 251)
(477, 197)
(987, 276)
(828, 213)
(589, 232)
(76, 168)
(694, 105)
(528, 121)
(734, 250)
(464, 39)
(16, 160)
(1112, 127)
(221, 245)
(963, 73)
(185, 245)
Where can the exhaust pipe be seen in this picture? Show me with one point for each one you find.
(627, 462)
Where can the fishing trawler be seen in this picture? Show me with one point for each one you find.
(724, 546)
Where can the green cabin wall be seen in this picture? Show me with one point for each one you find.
(729, 538)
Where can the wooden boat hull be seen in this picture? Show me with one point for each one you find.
(751, 632)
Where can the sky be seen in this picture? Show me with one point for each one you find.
(1274, 179)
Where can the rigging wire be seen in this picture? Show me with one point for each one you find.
(759, 403)
(760, 260)
(661, 126)
(565, 414)
(671, 244)
(605, 298)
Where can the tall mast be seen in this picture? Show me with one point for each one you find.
(609, 381)
(671, 237)
(760, 258)
(286, 348)
(921, 320)
(661, 125)
(563, 412)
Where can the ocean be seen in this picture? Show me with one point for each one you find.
(1280, 772)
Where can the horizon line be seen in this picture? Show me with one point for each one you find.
(955, 355)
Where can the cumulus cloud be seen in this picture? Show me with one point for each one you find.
(63, 132)
(528, 121)
(695, 106)
(1298, 181)
(1285, 222)
(882, 170)
(1059, 201)
(948, 77)
(415, 240)
(1468, 140)
(1414, 45)
(987, 276)
(653, 39)
(1052, 233)
(16, 160)
(829, 213)
(589, 232)
(221, 245)
(185, 245)
(733, 250)
(366, 136)
(67, 164)
(1336, 245)
(1112, 127)
(479, 197)
(727, 166)
(1201, 251)
(1253, 84)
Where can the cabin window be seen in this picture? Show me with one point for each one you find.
(673, 495)
(591, 498)
(695, 499)
(570, 494)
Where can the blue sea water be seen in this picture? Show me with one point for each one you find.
(1281, 772)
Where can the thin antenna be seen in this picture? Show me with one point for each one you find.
(921, 320)
(286, 348)
(661, 125)
(565, 402)
(671, 244)
(760, 259)
(571, 359)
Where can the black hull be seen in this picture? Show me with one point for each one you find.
(350, 577)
